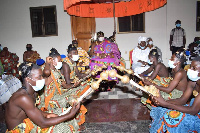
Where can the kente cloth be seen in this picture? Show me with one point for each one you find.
(56, 99)
(1, 68)
(83, 57)
(167, 120)
(106, 47)
(8, 85)
(9, 63)
(162, 81)
(72, 67)
(139, 54)
(122, 62)
(165, 81)
(29, 127)
(33, 57)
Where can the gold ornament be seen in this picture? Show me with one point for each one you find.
(95, 85)
(112, 73)
(104, 75)
(121, 68)
(125, 79)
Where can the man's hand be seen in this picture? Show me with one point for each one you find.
(75, 108)
(102, 55)
(144, 63)
(159, 101)
(77, 83)
(147, 82)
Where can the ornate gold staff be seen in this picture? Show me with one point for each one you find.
(148, 89)
(94, 86)
(90, 73)
(121, 68)
(125, 79)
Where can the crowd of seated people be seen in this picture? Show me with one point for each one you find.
(51, 88)
(173, 110)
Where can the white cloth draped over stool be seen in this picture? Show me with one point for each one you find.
(8, 85)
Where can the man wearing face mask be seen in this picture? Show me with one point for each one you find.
(30, 56)
(175, 115)
(69, 69)
(173, 87)
(177, 37)
(139, 56)
(23, 116)
(57, 97)
(84, 59)
(106, 52)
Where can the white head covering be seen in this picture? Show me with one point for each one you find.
(141, 39)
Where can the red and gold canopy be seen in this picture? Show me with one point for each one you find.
(104, 8)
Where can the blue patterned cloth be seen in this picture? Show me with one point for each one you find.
(173, 121)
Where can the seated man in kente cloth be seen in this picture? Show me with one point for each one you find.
(9, 61)
(22, 116)
(157, 70)
(105, 52)
(174, 116)
(71, 74)
(172, 89)
(84, 59)
(30, 56)
(56, 95)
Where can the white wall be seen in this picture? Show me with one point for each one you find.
(15, 27)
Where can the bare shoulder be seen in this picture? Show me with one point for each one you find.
(65, 64)
(181, 73)
(21, 98)
(160, 65)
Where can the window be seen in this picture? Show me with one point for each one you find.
(198, 17)
(43, 21)
(134, 24)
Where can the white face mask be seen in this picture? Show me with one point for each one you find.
(193, 75)
(101, 39)
(39, 84)
(150, 42)
(75, 57)
(59, 65)
(149, 62)
(171, 64)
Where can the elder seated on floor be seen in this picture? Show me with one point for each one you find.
(23, 116)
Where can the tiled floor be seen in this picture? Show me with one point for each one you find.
(120, 91)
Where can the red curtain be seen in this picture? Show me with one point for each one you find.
(103, 10)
